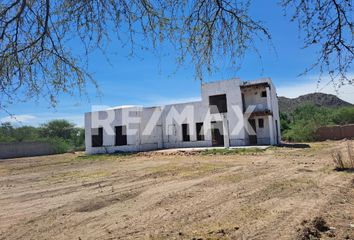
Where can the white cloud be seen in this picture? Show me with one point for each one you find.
(24, 118)
(294, 90)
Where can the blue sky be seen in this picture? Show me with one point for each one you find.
(152, 79)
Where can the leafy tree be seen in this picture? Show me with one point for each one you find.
(58, 128)
(6, 128)
(78, 139)
(302, 131)
(35, 59)
(284, 122)
(304, 121)
(62, 134)
(6, 132)
(64, 131)
(311, 113)
(26, 133)
(344, 116)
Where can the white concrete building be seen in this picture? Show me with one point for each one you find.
(230, 113)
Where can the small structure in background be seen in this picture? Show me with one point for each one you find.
(230, 113)
(336, 132)
(26, 149)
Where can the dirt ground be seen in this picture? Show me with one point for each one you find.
(269, 194)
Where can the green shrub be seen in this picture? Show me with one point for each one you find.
(302, 123)
(63, 135)
(344, 116)
(300, 132)
(59, 144)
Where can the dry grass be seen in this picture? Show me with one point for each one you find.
(214, 195)
(350, 154)
(340, 162)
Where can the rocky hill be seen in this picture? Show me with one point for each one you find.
(318, 99)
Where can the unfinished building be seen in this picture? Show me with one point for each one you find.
(230, 113)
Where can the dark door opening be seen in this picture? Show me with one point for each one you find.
(217, 134)
(185, 133)
(253, 136)
(97, 137)
(121, 135)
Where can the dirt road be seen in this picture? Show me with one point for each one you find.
(250, 195)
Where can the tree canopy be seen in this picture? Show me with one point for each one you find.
(35, 60)
(301, 124)
(61, 133)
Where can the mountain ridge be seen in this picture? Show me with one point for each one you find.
(318, 99)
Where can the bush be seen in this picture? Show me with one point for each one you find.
(301, 132)
(60, 145)
(344, 116)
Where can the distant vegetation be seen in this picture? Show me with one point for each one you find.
(62, 134)
(300, 125)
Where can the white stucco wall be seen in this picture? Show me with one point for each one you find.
(233, 97)
(165, 133)
(189, 113)
(275, 111)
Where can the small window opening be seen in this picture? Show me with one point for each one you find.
(220, 102)
(260, 123)
(200, 131)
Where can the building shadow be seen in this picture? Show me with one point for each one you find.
(294, 145)
(348, 170)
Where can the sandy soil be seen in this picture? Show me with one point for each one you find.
(251, 195)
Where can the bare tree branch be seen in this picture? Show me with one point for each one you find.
(36, 60)
(328, 25)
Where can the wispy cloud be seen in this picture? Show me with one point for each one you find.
(294, 90)
(24, 118)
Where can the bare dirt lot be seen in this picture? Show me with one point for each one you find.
(271, 194)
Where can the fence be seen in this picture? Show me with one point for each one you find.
(335, 132)
(25, 149)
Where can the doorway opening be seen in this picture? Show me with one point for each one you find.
(253, 134)
(217, 134)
